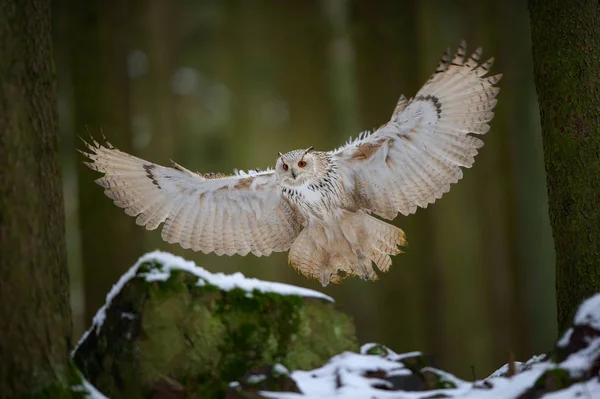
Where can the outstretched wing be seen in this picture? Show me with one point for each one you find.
(412, 160)
(209, 213)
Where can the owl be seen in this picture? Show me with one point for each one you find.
(319, 205)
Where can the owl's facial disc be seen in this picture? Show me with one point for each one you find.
(295, 168)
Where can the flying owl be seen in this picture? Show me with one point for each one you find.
(319, 204)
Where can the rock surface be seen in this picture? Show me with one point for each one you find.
(172, 329)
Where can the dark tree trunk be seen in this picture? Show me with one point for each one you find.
(35, 326)
(566, 55)
(110, 240)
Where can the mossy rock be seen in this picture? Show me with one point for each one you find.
(168, 323)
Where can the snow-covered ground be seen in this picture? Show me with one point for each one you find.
(349, 375)
(344, 377)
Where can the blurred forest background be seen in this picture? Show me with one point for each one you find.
(217, 85)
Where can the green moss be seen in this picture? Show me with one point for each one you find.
(204, 337)
(323, 332)
(181, 338)
(554, 380)
(445, 384)
(260, 328)
(434, 380)
(378, 349)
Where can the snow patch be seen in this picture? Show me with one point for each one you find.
(504, 369)
(101, 313)
(346, 369)
(280, 369)
(128, 316)
(564, 341)
(226, 282)
(584, 390)
(343, 377)
(391, 354)
(255, 379)
(171, 262)
(519, 366)
(589, 313)
(579, 362)
(92, 392)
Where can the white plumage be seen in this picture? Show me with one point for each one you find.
(317, 204)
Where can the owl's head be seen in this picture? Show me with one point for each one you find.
(298, 167)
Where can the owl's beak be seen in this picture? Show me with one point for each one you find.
(294, 174)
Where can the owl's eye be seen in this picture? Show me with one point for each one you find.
(302, 164)
(285, 167)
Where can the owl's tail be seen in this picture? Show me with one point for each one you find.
(330, 253)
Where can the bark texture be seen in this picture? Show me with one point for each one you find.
(566, 54)
(35, 326)
(109, 239)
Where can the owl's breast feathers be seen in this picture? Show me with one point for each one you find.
(322, 197)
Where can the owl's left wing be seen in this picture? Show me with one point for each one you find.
(412, 160)
(206, 212)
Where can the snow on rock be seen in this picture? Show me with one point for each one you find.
(583, 390)
(375, 372)
(578, 351)
(89, 389)
(391, 376)
(226, 282)
(579, 363)
(518, 366)
(275, 377)
(378, 373)
(589, 313)
(171, 262)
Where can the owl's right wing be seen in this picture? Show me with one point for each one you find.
(411, 161)
(209, 213)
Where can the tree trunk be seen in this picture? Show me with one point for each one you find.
(110, 242)
(155, 133)
(566, 55)
(35, 316)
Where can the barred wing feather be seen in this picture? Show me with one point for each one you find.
(208, 213)
(412, 160)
